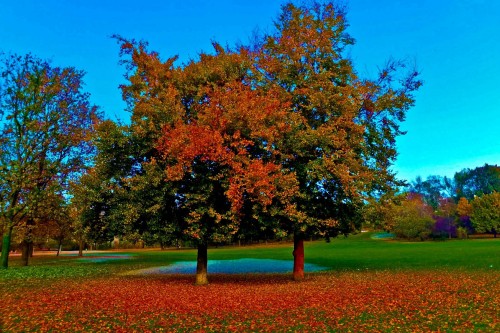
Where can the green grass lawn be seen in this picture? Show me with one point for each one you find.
(361, 252)
(370, 285)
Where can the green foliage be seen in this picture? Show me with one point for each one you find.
(380, 213)
(342, 140)
(462, 233)
(408, 218)
(433, 189)
(45, 125)
(485, 215)
(478, 181)
(412, 226)
(335, 140)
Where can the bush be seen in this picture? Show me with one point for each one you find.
(413, 229)
(462, 233)
(413, 219)
(444, 227)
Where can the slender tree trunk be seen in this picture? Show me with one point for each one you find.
(80, 248)
(59, 246)
(6, 247)
(25, 252)
(201, 265)
(298, 258)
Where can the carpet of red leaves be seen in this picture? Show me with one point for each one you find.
(420, 301)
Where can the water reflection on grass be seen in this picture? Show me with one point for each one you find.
(104, 258)
(237, 266)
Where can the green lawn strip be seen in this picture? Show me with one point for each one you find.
(356, 253)
(360, 252)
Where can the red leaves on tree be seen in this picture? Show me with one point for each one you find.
(230, 122)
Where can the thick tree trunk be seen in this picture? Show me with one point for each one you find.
(201, 265)
(6, 247)
(298, 258)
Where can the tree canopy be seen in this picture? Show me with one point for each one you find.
(46, 122)
(342, 141)
(477, 181)
(277, 138)
(485, 215)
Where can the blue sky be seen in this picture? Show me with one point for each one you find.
(455, 123)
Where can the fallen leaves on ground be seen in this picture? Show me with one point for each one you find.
(419, 301)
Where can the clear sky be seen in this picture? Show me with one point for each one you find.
(455, 123)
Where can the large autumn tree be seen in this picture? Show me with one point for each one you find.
(342, 141)
(216, 138)
(46, 120)
(282, 136)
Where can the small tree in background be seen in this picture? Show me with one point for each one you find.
(413, 219)
(464, 210)
(433, 190)
(485, 214)
(445, 217)
(381, 213)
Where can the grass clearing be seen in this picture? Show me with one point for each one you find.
(372, 285)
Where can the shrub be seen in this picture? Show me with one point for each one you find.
(413, 219)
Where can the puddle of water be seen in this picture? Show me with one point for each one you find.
(382, 235)
(237, 266)
(105, 258)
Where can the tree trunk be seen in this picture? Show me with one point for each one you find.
(80, 248)
(6, 247)
(25, 252)
(201, 265)
(59, 247)
(298, 258)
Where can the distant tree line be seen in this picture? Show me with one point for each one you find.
(441, 207)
